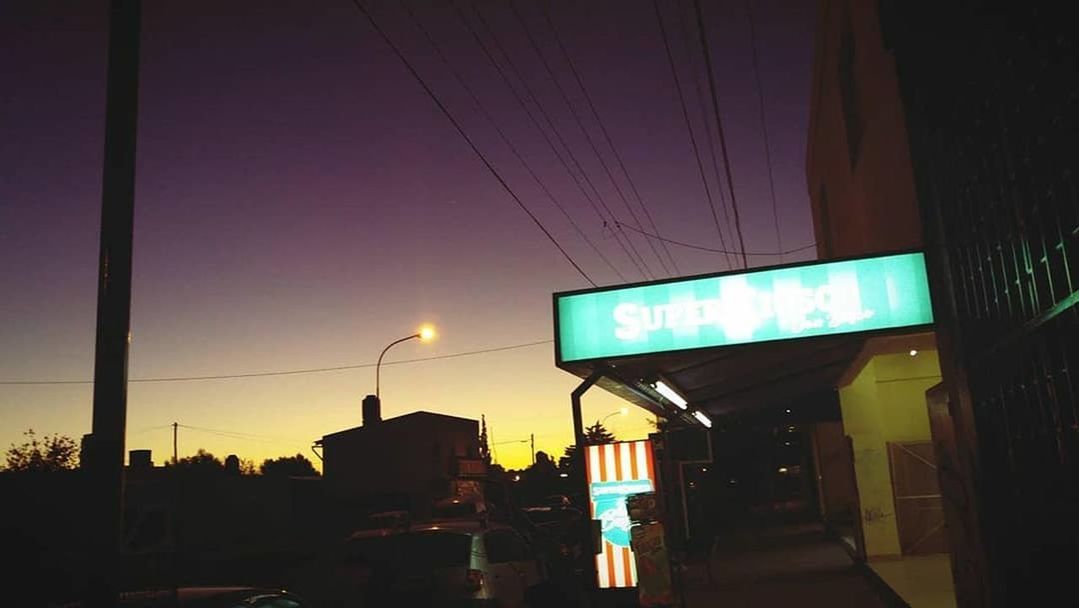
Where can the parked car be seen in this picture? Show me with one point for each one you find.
(458, 562)
(208, 597)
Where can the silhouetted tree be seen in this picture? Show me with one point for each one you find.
(593, 435)
(485, 449)
(202, 461)
(288, 466)
(50, 453)
(597, 434)
(544, 465)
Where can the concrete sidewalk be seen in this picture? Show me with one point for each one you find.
(793, 565)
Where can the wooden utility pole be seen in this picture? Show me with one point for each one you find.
(105, 496)
(175, 426)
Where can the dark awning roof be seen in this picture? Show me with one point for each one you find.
(728, 379)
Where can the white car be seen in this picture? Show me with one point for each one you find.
(456, 562)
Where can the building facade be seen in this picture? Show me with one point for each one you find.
(401, 462)
(948, 127)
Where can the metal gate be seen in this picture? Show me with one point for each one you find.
(919, 511)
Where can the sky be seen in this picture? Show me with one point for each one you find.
(301, 202)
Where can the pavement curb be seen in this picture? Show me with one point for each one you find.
(886, 593)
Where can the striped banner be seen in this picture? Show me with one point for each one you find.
(616, 470)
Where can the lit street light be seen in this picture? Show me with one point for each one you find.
(425, 334)
(622, 411)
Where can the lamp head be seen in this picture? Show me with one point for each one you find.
(426, 333)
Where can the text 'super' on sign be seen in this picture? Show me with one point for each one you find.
(818, 299)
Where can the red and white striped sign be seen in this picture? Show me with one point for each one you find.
(606, 465)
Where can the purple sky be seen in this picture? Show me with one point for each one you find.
(301, 203)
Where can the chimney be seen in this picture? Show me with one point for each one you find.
(372, 410)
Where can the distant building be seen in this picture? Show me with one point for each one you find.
(409, 458)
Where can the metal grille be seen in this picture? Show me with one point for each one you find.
(992, 102)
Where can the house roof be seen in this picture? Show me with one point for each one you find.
(404, 419)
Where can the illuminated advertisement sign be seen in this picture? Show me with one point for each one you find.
(616, 470)
(818, 299)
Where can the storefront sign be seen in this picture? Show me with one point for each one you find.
(868, 294)
(617, 470)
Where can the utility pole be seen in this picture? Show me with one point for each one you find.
(105, 496)
(532, 440)
(175, 426)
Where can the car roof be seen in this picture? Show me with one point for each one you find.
(193, 597)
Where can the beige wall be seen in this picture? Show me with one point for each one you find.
(884, 402)
(871, 205)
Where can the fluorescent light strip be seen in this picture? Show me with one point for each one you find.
(670, 394)
(702, 418)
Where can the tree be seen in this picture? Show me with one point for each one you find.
(593, 435)
(202, 461)
(597, 434)
(50, 453)
(288, 466)
(485, 448)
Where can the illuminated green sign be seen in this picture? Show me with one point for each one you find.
(819, 299)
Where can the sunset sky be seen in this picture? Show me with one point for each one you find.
(301, 203)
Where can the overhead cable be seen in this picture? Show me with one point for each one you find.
(713, 250)
(691, 53)
(490, 119)
(550, 123)
(580, 125)
(719, 129)
(292, 372)
(764, 123)
(689, 127)
(607, 136)
(471, 144)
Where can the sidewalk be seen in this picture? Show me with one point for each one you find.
(794, 565)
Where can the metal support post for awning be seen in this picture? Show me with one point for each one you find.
(578, 455)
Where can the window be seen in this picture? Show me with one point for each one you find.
(505, 546)
(848, 92)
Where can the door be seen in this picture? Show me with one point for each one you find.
(919, 511)
(506, 551)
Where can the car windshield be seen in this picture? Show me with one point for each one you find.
(430, 549)
(543, 516)
(455, 510)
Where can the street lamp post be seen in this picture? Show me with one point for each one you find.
(425, 334)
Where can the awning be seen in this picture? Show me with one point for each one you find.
(738, 341)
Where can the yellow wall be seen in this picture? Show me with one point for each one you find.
(885, 402)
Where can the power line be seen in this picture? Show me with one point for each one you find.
(610, 142)
(244, 436)
(691, 54)
(550, 123)
(580, 125)
(505, 139)
(689, 127)
(703, 248)
(294, 372)
(471, 144)
(764, 123)
(719, 129)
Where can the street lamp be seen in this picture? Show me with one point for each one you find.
(425, 334)
(623, 411)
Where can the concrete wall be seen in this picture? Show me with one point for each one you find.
(868, 205)
(884, 401)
